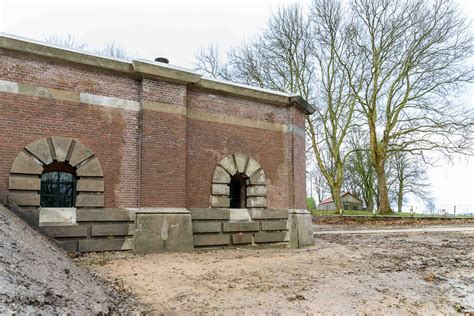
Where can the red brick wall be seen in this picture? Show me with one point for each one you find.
(163, 148)
(299, 159)
(209, 142)
(110, 133)
(178, 154)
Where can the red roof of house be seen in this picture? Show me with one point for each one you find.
(329, 199)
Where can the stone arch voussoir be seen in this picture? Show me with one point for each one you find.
(256, 181)
(24, 181)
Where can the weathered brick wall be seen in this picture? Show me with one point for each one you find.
(209, 142)
(299, 159)
(110, 133)
(181, 141)
(163, 147)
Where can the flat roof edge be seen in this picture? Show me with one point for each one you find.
(147, 68)
(16, 43)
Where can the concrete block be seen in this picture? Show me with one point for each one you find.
(104, 215)
(79, 154)
(256, 201)
(239, 215)
(220, 176)
(61, 147)
(26, 164)
(105, 244)
(300, 225)
(25, 198)
(238, 239)
(257, 190)
(211, 240)
(207, 227)
(112, 229)
(128, 244)
(90, 185)
(65, 231)
(269, 213)
(220, 189)
(252, 166)
(24, 183)
(263, 237)
(40, 149)
(90, 168)
(109, 101)
(241, 161)
(258, 177)
(68, 245)
(220, 201)
(157, 233)
(57, 215)
(240, 226)
(228, 164)
(274, 225)
(90, 200)
(209, 214)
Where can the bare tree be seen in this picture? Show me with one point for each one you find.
(359, 170)
(318, 183)
(297, 54)
(209, 62)
(409, 178)
(113, 49)
(335, 103)
(412, 56)
(67, 41)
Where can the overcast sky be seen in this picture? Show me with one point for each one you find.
(177, 29)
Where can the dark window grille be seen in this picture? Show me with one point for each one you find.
(58, 189)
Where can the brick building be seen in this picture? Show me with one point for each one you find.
(107, 154)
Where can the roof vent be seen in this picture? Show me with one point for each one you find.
(162, 60)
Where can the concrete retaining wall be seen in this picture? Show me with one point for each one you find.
(96, 230)
(230, 227)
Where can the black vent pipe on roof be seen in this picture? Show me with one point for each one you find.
(162, 60)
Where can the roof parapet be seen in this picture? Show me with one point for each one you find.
(150, 69)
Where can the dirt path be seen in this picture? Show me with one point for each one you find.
(416, 273)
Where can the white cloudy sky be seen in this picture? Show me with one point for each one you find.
(176, 29)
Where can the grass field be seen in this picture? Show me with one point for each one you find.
(393, 214)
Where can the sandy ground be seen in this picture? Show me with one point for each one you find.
(405, 273)
(37, 277)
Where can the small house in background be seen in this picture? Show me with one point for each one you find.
(349, 201)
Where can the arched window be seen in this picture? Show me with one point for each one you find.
(237, 191)
(58, 185)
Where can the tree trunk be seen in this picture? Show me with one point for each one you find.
(400, 196)
(370, 205)
(336, 197)
(399, 203)
(384, 207)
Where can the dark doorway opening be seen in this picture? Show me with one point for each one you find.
(238, 191)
